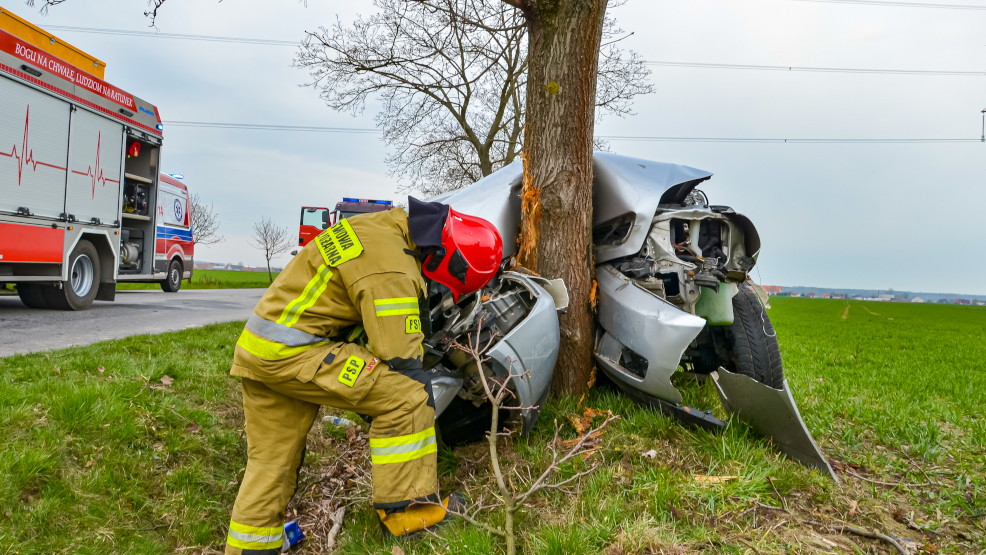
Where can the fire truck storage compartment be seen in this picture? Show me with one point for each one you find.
(138, 203)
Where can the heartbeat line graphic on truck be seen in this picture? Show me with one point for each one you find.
(26, 156)
(96, 173)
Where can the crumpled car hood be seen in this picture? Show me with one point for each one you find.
(621, 185)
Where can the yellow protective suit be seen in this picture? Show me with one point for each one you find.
(357, 279)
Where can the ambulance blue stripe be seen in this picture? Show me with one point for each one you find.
(172, 232)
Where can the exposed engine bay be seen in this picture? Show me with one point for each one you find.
(515, 316)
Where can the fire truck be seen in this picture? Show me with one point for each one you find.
(83, 204)
(316, 218)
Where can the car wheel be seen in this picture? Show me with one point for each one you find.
(172, 282)
(754, 349)
(80, 290)
(748, 346)
(32, 295)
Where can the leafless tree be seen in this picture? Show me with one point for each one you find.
(271, 239)
(451, 76)
(205, 222)
(151, 13)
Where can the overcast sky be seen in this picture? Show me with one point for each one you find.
(906, 216)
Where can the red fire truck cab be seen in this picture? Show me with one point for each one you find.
(316, 218)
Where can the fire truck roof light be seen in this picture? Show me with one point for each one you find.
(160, 127)
(178, 176)
(384, 202)
(344, 199)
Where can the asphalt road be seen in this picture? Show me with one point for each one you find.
(27, 330)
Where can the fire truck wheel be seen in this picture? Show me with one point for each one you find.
(83, 280)
(32, 295)
(172, 283)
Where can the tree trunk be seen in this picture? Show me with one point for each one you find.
(556, 224)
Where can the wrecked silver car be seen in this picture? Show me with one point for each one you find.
(673, 292)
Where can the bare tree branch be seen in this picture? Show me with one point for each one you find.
(271, 239)
(151, 13)
(205, 222)
(451, 79)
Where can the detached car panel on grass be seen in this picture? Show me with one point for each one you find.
(674, 292)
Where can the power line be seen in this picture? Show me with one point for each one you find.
(818, 69)
(899, 4)
(151, 34)
(271, 42)
(363, 130)
(768, 140)
(263, 127)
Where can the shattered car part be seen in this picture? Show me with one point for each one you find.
(644, 335)
(517, 316)
(774, 414)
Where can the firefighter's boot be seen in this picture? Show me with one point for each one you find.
(418, 516)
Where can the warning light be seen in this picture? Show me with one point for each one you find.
(178, 176)
(160, 127)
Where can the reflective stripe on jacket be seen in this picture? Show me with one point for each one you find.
(355, 273)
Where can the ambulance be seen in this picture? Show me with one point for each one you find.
(83, 204)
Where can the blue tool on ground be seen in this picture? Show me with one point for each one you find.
(292, 534)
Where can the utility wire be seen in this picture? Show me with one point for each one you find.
(363, 130)
(152, 34)
(262, 127)
(899, 4)
(268, 42)
(818, 69)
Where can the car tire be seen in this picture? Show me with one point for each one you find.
(748, 346)
(172, 281)
(32, 295)
(80, 290)
(755, 352)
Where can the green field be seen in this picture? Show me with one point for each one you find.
(114, 461)
(211, 279)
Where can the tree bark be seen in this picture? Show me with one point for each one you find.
(556, 223)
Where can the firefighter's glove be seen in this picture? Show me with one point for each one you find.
(418, 516)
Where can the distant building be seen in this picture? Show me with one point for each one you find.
(917, 300)
(810, 295)
(942, 301)
(838, 295)
(826, 295)
(980, 303)
(962, 301)
(795, 294)
(772, 289)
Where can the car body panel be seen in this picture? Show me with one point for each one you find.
(648, 325)
(773, 413)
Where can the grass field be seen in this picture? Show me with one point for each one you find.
(100, 456)
(211, 279)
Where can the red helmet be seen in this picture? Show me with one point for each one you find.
(469, 257)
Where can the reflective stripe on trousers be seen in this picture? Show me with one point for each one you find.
(254, 537)
(402, 449)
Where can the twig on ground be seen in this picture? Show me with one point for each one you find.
(497, 390)
(770, 507)
(777, 493)
(750, 545)
(330, 539)
(863, 533)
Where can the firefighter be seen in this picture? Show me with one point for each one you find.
(341, 327)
